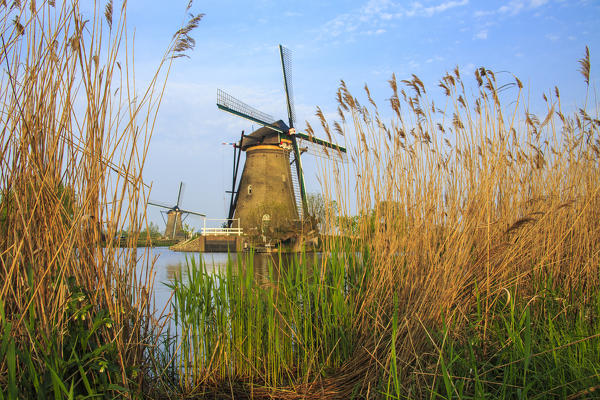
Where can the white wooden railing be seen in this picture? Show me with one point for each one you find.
(222, 231)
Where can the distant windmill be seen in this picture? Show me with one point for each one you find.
(174, 229)
(267, 179)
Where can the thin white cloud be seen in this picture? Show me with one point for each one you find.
(375, 32)
(482, 35)
(429, 11)
(413, 65)
(468, 69)
(481, 13)
(436, 58)
(512, 8)
(419, 10)
(537, 3)
(375, 16)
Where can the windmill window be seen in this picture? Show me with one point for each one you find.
(249, 189)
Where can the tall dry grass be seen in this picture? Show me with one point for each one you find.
(453, 220)
(74, 139)
(460, 203)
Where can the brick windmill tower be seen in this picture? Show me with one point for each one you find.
(175, 216)
(271, 188)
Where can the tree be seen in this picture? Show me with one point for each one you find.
(189, 231)
(321, 210)
(151, 229)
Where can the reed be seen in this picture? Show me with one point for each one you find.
(284, 325)
(468, 267)
(543, 347)
(463, 201)
(74, 307)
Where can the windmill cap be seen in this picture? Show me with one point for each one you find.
(265, 135)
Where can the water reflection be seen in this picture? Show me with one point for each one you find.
(170, 264)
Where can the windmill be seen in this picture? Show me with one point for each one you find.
(272, 182)
(174, 229)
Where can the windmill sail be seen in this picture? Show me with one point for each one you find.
(237, 153)
(181, 188)
(286, 66)
(321, 148)
(227, 102)
(296, 187)
(192, 212)
(160, 204)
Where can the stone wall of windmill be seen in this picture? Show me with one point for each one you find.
(266, 199)
(174, 228)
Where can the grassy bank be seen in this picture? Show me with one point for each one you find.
(292, 334)
(546, 346)
(476, 222)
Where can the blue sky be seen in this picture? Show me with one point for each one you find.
(360, 41)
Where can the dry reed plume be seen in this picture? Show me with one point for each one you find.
(460, 209)
(470, 197)
(74, 139)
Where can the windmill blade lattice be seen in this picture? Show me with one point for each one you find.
(332, 152)
(286, 65)
(181, 190)
(297, 190)
(193, 213)
(160, 204)
(227, 102)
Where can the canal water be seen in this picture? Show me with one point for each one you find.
(169, 264)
